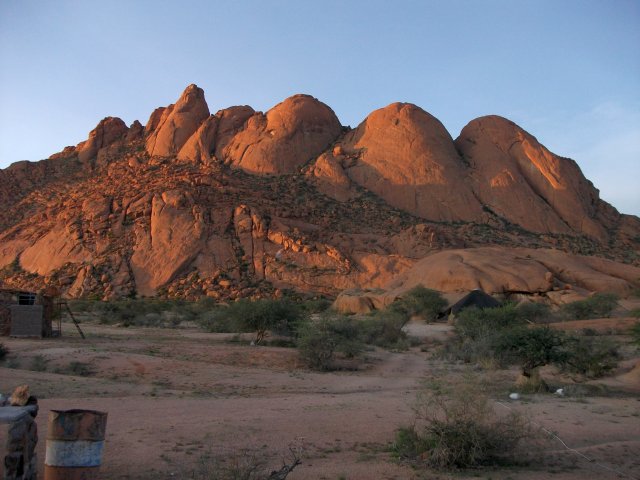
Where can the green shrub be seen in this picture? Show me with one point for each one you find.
(261, 316)
(38, 364)
(317, 305)
(534, 312)
(531, 347)
(384, 329)
(635, 313)
(420, 301)
(81, 369)
(499, 336)
(592, 357)
(479, 330)
(597, 306)
(217, 321)
(319, 340)
(459, 429)
(474, 323)
(144, 312)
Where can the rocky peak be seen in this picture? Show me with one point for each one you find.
(519, 179)
(214, 134)
(290, 134)
(406, 156)
(106, 133)
(170, 128)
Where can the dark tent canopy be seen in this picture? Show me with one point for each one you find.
(476, 298)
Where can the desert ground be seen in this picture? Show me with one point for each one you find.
(176, 397)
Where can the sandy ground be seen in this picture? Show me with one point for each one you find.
(175, 396)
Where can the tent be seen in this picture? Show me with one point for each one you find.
(476, 298)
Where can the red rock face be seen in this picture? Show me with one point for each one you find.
(522, 181)
(214, 134)
(163, 209)
(289, 135)
(406, 156)
(109, 131)
(170, 129)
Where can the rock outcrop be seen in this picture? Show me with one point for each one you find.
(520, 180)
(516, 270)
(169, 129)
(289, 135)
(245, 204)
(214, 134)
(406, 156)
(109, 131)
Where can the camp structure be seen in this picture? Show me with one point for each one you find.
(26, 314)
(476, 298)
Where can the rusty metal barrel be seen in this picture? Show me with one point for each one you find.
(75, 441)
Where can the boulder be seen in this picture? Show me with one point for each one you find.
(289, 135)
(406, 156)
(516, 270)
(109, 131)
(520, 180)
(330, 178)
(214, 134)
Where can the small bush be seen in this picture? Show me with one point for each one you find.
(532, 347)
(459, 429)
(144, 312)
(38, 364)
(420, 301)
(217, 321)
(319, 340)
(4, 351)
(384, 329)
(80, 369)
(474, 324)
(535, 312)
(597, 306)
(591, 357)
(478, 332)
(241, 465)
(261, 316)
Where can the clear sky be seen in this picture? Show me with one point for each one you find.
(567, 71)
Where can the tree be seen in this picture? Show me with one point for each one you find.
(532, 347)
(320, 339)
(261, 316)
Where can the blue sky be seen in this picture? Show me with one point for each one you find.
(568, 71)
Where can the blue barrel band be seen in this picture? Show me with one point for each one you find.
(79, 453)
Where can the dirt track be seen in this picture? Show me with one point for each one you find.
(173, 395)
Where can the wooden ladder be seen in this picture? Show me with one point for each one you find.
(75, 322)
